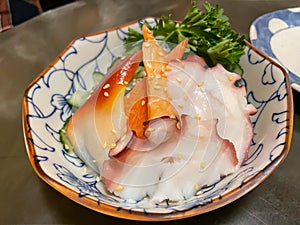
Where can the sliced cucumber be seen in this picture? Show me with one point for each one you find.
(78, 98)
(98, 77)
(67, 144)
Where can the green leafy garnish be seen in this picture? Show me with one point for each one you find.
(209, 33)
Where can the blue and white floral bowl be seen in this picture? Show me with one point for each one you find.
(45, 110)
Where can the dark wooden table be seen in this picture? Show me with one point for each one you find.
(28, 48)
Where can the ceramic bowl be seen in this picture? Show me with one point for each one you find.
(277, 34)
(45, 110)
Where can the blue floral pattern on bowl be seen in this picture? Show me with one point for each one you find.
(45, 110)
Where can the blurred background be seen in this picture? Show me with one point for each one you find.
(51, 4)
(15, 12)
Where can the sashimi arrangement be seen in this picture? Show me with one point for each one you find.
(182, 126)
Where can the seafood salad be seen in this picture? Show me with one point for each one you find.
(182, 126)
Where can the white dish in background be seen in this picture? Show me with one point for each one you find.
(45, 110)
(277, 34)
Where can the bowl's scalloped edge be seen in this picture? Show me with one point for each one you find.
(144, 216)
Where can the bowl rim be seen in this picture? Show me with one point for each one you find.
(141, 216)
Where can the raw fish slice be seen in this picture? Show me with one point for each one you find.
(100, 121)
(234, 122)
(211, 93)
(211, 159)
(136, 110)
(155, 60)
(188, 96)
(165, 171)
(147, 100)
(135, 172)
